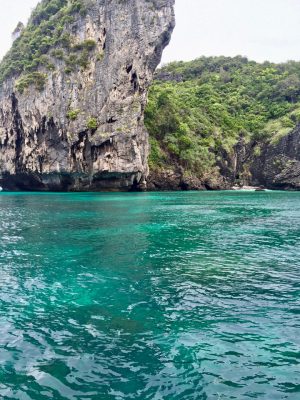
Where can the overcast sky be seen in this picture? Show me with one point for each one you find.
(259, 29)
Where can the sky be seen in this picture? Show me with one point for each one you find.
(259, 29)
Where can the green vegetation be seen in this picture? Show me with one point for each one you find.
(45, 39)
(92, 123)
(88, 44)
(73, 114)
(198, 110)
(35, 79)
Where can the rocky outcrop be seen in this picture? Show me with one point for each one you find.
(174, 180)
(177, 179)
(278, 165)
(275, 166)
(83, 127)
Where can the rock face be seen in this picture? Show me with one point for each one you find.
(172, 180)
(176, 179)
(278, 166)
(84, 129)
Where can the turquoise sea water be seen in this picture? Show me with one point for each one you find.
(150, 296)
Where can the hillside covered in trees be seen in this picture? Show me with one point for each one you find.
(201, 113)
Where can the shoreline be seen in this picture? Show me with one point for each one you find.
(248, 189)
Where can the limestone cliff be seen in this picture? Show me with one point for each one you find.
(72, 116)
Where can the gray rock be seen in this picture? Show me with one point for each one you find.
(42, 149)
(278, 166)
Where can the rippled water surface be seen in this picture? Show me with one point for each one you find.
(150, 296)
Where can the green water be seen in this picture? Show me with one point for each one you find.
(150, 296)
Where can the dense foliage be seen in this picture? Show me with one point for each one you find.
(199, 109)
(46, 30)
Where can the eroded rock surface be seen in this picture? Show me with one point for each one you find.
(84, 130)
(278, 166)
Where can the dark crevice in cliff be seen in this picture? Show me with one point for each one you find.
(129, 68)
(81, 153)
(104, 39)
(135, 81)
(111, 120)
(17, 128)
(105, 148)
